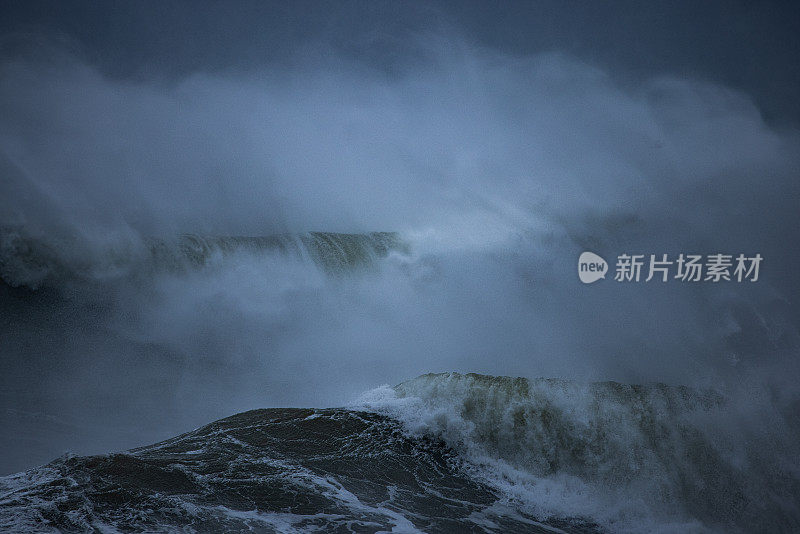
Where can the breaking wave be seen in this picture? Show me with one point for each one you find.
(36, 261)
(630, 457)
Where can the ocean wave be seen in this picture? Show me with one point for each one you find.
(34, 261)
(633, 458)
(279, 470)
(439, 453)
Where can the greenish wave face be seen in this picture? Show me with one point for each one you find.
(333, 252)
(32, 261)
(637, 454)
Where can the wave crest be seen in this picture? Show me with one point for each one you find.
(34, 261)
(622, 455)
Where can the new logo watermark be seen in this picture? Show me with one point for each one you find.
(684, 267)
(591, 267)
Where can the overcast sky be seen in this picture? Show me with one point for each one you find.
(751, 46)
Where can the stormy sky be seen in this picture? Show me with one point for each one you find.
(500, 140)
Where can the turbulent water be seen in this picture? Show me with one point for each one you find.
(440, 453)
(279, 470)
(34, 261)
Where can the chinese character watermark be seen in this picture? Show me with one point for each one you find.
(684, 268)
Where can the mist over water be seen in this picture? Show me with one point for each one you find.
(495, 170)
